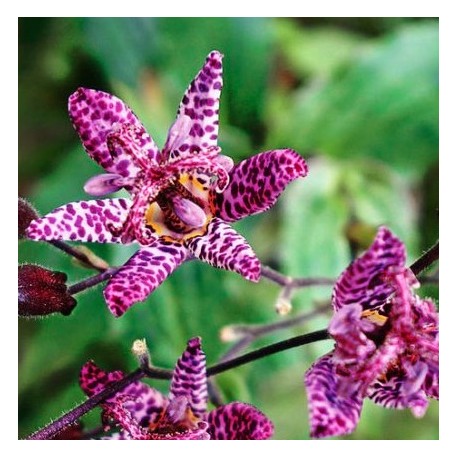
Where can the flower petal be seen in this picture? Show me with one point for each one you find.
(95, 115)
(392, 394)
(142, 274)
(239, 421)
(257, 182)
(142, 401)
(201, 104)
(85, 221)
(93, 379)
(190, 378)
(225, 248)
(329, 413)
(361, 282)
(348, 329)
(431, 385)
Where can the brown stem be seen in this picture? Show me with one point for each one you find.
(66, 248)
(92, 281)
(426, 259)
(286, 281)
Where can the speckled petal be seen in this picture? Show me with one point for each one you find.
(225, 248)
(431, 384)
(257, 182)
(394, 392)
(93, 379)
(142, 274)
(329, 413)
(82, 221)
(201, 104)
(95, 115)
(238, 421)
(142, 401)
(349, 329)
(190, 378)
(362, 281)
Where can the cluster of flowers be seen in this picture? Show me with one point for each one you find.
(181, 201)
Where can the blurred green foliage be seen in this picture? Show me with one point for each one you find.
(357, 97)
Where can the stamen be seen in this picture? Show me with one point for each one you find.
(225, 162)
(105, 183)
(177, 134)
(176, 410)
(189, 212)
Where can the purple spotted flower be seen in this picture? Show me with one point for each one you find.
(142, 413)
(386, 343)
(182, 197)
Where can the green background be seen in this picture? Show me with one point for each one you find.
(357, 97)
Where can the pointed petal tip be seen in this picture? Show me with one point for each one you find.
(31, 231)
(142, 274)
(215, 54)
(300, 165)
(254, 273)
(195, 343)
(115, 302)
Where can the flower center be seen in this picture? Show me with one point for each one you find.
(182, 210)
(171, 198)
(178, 421)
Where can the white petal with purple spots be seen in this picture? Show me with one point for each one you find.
(190, 378)
(142, 274)
(96, 115)
(361, 282)
(257, 182)
(201, 104)
(86, 221)
(225, 248)
(329, 413)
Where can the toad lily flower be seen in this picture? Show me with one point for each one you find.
(145, 414)
(387, 343)
(182, 197)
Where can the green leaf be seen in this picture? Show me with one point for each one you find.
(385, 105)
(315, 52)
(378, 196)
(313, 227)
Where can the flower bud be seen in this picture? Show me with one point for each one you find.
(231, 333)
(26, 214)
(283, 306)
(42, 291)
(141, 352)
(72, 432)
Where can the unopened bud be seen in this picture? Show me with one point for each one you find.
(42, 292)
(26, 214)
(231, 333)
(141, 352)
(72, 432)
(283, 306)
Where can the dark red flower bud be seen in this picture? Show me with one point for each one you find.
(26, 214)
(42, 291)
(72, 432)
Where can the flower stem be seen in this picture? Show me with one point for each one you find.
(277, 347)
(426, 259)
(66, 248)
(249, 333)
(49, 431)
(284, 280)
(92, 281)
